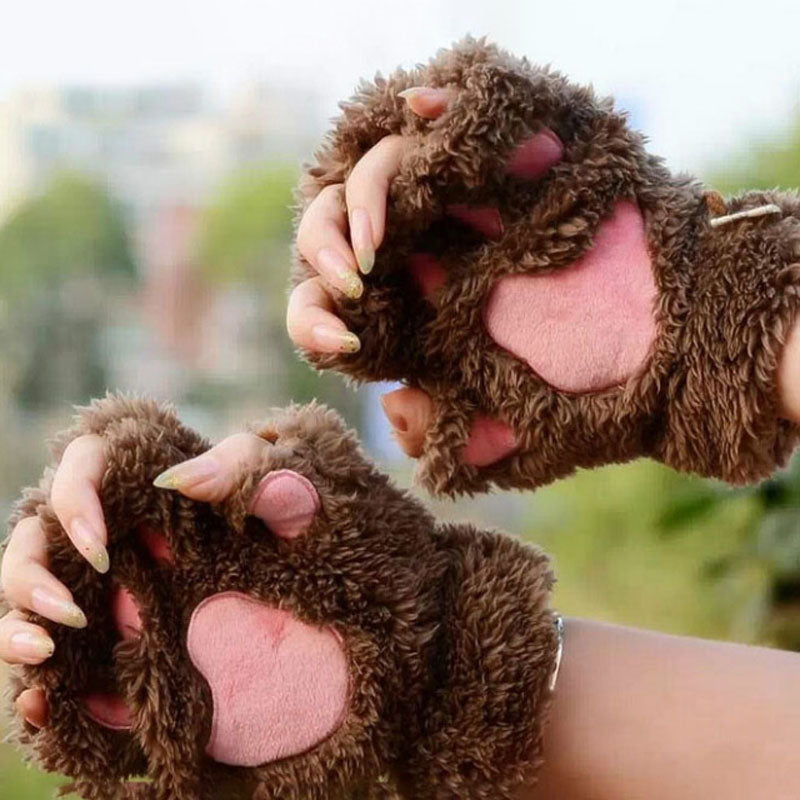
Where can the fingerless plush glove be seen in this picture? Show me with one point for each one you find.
(351, 648)
(556, 290)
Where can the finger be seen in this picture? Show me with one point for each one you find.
(366, 192)
(427, 102)
(75, 496)
(32, 706)
(313, 325)
(322, 242)
(287, 502)
(410, 412)
(28, 584)
(212, 476)
(21, 642)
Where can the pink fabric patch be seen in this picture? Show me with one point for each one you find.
(485, 219)
(108, 710)
(279, 686)
(287, 502)
(489, 441)
(591, 325)
(536, 155)
(125, 611)
(428, 273)
(156, 544)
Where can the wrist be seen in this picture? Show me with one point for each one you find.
(788, 378)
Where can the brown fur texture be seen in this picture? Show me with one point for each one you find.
(706, 399)
(449, 639)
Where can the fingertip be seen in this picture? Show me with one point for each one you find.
(26, 643)
(87, 540)
(409, 411)
(330, 339)
(334, 267)
(312, 323)
(32, 707)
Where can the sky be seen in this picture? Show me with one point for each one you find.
(702, 78)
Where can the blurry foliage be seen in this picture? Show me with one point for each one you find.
(245, 240)
(21, 782)
(602, 528)
(773, 163)
(245, 224)
(768, 548)
(72, 229)
(61, 254)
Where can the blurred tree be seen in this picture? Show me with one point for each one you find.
(72, 229)
(766, 555)
(62, 254)
(64, 262)
(247, 225)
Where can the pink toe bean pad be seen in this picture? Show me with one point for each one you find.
(279, 686)
(587, 326)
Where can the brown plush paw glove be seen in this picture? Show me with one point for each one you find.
(350, 648)
(563, 299)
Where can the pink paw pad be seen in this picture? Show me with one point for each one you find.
(489, 441)
(156, 544)
(108, 710)
(588, 326)
(484, 219)
(536, 155)
(125, 611)
(287, 502)
(427, 271)
(279, 686)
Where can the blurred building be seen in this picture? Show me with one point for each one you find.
(163, 151)
(156, 147)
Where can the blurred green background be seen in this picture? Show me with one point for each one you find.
(146, 247)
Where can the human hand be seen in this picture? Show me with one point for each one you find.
(74, 493)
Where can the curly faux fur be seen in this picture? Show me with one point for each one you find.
(449, 642)
(704, 399)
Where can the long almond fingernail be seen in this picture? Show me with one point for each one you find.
(340, 341)
(362, 239)
(188, 473)
(87, 540)
(33, 646)
(426, 101)
(47, 604)
(353, 287)
(335, 269)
